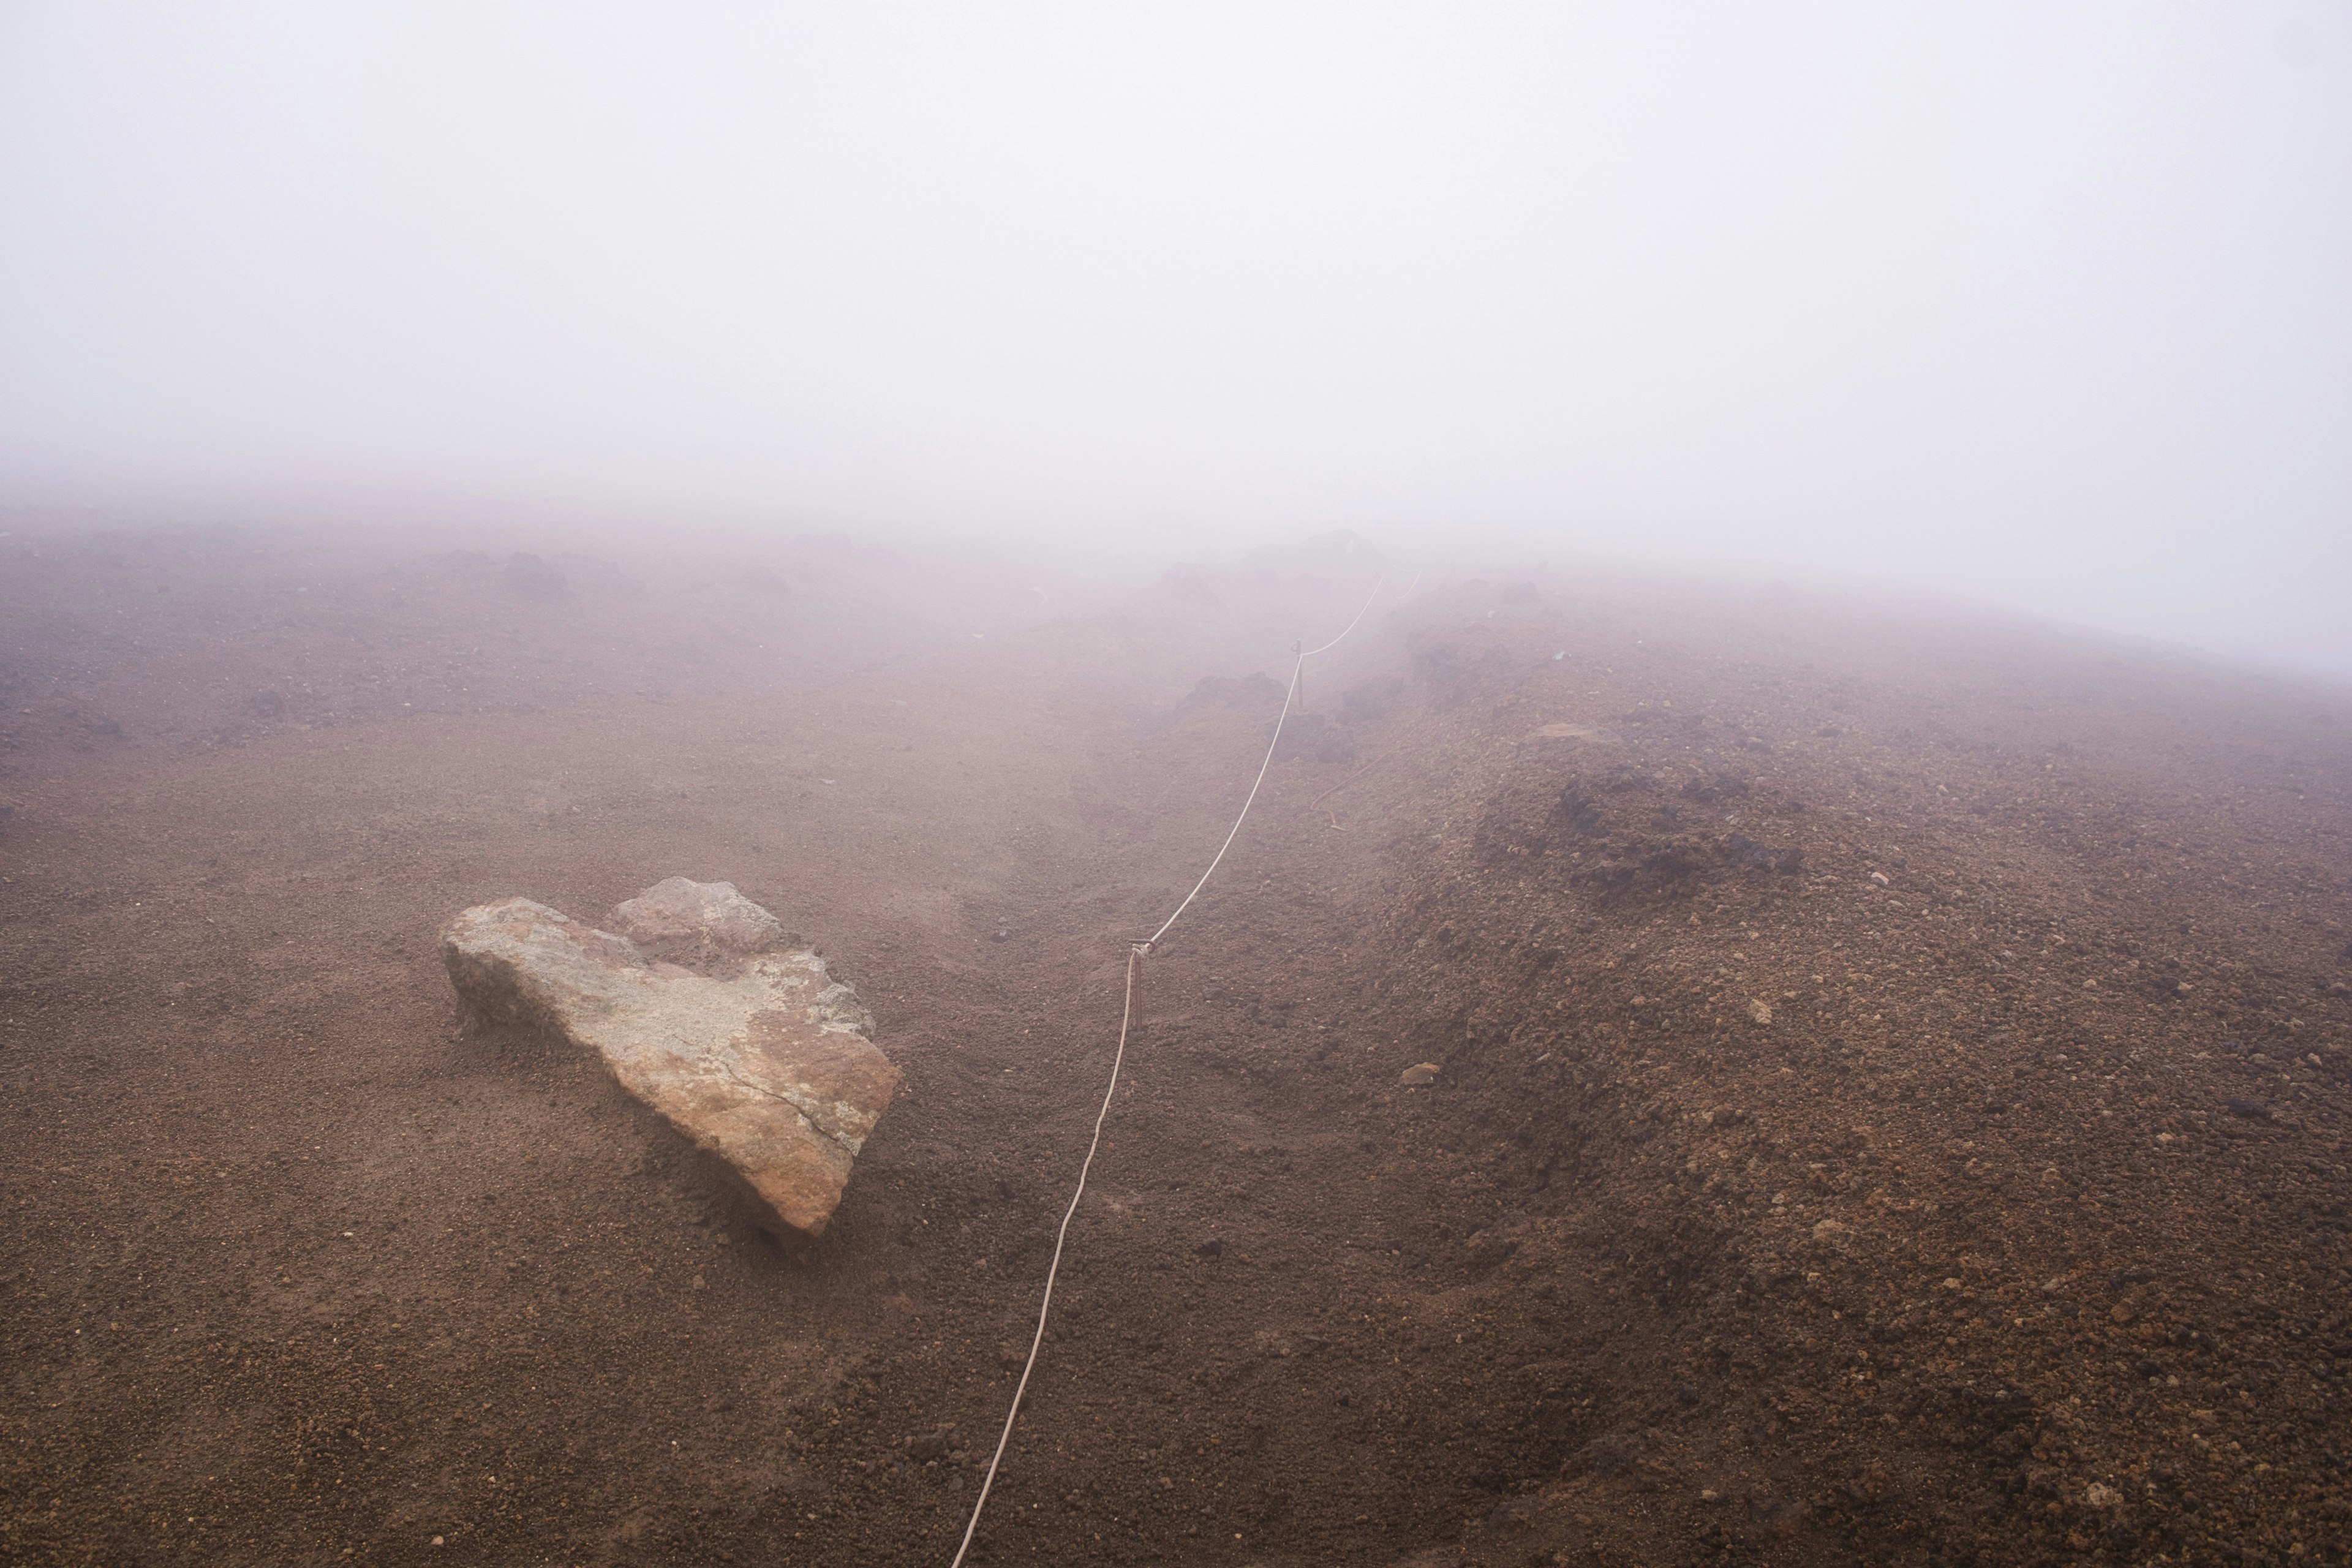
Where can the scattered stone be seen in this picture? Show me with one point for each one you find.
(1880, 877)
(1212, 1247)
(1419, 1074)
(1516, 1514)
(1760, 1011)
(761, 1057)
(2101, 1495)
(2250, 1110)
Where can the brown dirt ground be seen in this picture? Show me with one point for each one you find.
(2017, 1233)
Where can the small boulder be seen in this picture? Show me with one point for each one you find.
(757, 1054)
(696, 924)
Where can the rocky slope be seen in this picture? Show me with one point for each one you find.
(1887, 1102)
(1925, 1125)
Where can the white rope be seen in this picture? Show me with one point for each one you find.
(1290, 693)
(1135, 951)
(1055, 1269)
(1350, 626)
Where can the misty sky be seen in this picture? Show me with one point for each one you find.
(2049, 304)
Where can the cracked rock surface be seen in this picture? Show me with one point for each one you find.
(742, 1043)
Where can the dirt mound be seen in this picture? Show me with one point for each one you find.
(1871, 1108)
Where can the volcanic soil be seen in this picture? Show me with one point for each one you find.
(1665, 1074)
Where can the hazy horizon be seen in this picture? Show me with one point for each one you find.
(2039, 308)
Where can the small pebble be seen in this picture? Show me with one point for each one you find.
(1418, 1074)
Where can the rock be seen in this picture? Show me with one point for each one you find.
(927, 1445)
(1760, 1011)
(532, 577)
(1418, 1075)
(757, 1054)
(1212, 1247)
(1516, 1514)
(696, 922)
(2250, 1111)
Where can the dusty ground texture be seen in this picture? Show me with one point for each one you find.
(1761, 1210)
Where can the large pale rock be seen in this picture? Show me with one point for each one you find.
(755, 1053)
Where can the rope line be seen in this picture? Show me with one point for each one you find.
(1125, 1012)
(1288, 695)
(1135, 951)
(1290, 692)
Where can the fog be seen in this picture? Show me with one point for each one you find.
(2044, 307)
